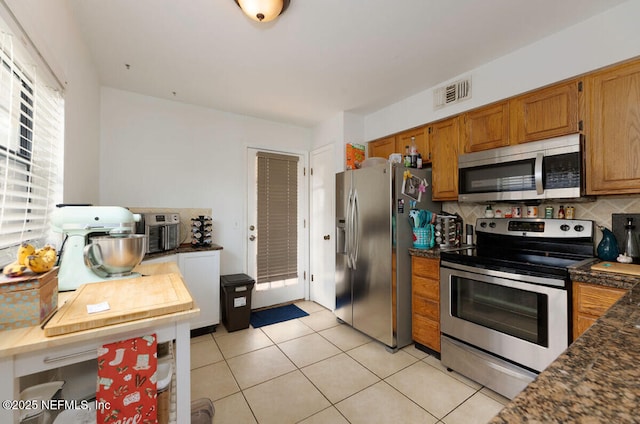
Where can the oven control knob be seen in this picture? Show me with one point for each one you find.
(483, 224)
(492, 224)
(578, 228)
(565, 227)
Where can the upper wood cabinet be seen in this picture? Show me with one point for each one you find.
(544, 113)
(486, 127)
(382, 148)
(444, 140)
(421, 138)
(612, 130)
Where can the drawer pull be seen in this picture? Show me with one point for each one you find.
(52, 359)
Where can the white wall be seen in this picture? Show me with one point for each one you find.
(343, 128)
(607, 38)
(51, 26)
(158, 153)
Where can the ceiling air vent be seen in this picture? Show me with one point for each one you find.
(452, 93)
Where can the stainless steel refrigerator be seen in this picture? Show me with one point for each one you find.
(373, 235)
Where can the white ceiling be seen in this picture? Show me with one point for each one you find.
(319, 58)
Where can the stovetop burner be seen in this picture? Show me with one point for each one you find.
(538, 247)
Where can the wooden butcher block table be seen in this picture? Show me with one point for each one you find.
(120, 301)
(158, 302)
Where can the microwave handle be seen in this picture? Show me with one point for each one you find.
(538, 173)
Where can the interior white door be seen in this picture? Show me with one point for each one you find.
(284, 291)
(322, 288)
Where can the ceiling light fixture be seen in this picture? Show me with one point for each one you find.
(263, 10)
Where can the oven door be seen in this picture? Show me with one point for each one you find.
(504, 314)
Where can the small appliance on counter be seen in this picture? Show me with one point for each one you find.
(201, 228)
(162, 230)
(100, 244)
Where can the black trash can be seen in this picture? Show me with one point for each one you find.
(235, 297)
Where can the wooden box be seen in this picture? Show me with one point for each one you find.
(27, 300)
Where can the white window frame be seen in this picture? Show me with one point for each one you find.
(31, 142)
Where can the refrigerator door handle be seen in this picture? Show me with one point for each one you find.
(348, 229)
(356, 228)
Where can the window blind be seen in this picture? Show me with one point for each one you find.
(277, 185)
(31, 141)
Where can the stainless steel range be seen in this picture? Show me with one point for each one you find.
(505, 304)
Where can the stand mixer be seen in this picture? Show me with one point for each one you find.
(99, 244)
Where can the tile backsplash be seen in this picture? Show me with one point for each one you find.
(599, 211)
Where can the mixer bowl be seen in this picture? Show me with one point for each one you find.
(115, 256)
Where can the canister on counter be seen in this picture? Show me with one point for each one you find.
(570, 212)
(548, 212)
(516, 212)
(532, 211)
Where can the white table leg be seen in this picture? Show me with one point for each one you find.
(183, 372)
(9, 390)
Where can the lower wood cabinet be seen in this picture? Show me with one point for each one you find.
(425, 301)
(590, 302)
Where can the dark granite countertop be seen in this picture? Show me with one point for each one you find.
(597, 379)
(183, 248)
(433, 253)
(584, 274)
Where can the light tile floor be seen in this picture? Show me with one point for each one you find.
(314, 370)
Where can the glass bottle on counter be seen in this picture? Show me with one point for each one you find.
(631, 241)
(413, 153)
(407, 157)
(561, 212)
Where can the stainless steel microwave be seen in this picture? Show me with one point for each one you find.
(162, 231)
(547, 169)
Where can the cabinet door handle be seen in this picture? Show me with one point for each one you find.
(327, 237)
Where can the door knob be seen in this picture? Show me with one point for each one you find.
(327, 237)
(252, 237)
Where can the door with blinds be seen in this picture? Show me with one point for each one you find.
(276, 229)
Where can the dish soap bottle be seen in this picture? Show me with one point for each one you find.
(630, 241)
(608, 246)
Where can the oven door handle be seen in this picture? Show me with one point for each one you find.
(536, 284)
(538, 173)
